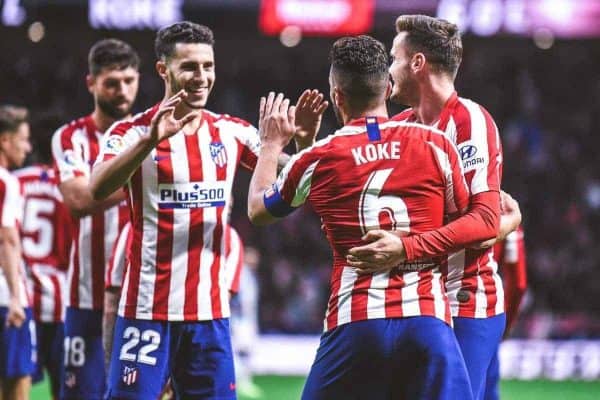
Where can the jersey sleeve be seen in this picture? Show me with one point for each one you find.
(479, 146)
(246, 136)
(514, 274)
(11, 202)
(293, 184)
(68, 156)
(117, 139)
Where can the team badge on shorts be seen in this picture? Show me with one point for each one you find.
(130, 375)
(70, 379)
(218, 154)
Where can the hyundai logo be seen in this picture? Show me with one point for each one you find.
(467, 151)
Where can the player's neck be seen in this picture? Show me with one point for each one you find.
(102, 121)
(378, 111)
(434, 93)
(4, 161)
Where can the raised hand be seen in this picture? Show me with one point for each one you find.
(164, 124)
(276, 120)
(309, 113)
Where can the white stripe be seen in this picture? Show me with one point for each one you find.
(145, 299)
(410, 296)
(478, 138)
(439, 304)
(456, 270)
(480, 299)
(209, 171)
(85, 263)
(47, 298)
(344, 295)
(376, 295)
(497, 283)
(181, 228)
(445, 165)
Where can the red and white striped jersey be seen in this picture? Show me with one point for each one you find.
(45, 241)
(179, 197)
(473, 284)
(234, 262)
(377, 175)
(75, 147)
(11, 213)
(118, 259)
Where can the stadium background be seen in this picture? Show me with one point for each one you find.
(532, 63)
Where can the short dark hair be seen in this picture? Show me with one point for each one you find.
(112, 54)
(438, 39)
(181, 32)
(11, 118)
(359, 65)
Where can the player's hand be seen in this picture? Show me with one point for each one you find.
(309, 113)
(383, 252)
(16, 314)
(164, 124)
(510, 219)
(276, 120)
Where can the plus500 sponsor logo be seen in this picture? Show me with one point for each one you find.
(193, 195)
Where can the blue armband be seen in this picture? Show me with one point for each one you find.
(275, 204)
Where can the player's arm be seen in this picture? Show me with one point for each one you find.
(385, 250)
(110, 175)
(510, 219)
(276, 130)
(77, 196)
(10, 256)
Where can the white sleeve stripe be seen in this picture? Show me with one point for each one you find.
(478, 138)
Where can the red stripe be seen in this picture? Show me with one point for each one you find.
(360, 294)
(217, 264)
(164, 245)
(332, 307)
(98, 245)
(393, 295)
(424, 292)
(37, 297)
(2, 200)
(135, 251)
(58, 306)
(196, 233)
(74, 300)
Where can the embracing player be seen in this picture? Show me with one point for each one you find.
(178, 161)
(387, 335)
(113, 82)
(426, 55)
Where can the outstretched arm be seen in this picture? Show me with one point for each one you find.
(276, 128)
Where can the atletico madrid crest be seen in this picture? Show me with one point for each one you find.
(130, 375)
(218, 154)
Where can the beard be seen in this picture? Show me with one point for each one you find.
(112, 109)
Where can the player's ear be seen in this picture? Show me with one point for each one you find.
(161, 68)
(338, 96)
(388, 89)
(90, 81)
(417, 62)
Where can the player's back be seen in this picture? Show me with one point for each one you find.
(46, 240)
(389, 175)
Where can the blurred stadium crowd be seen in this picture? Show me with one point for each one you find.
(546, 104)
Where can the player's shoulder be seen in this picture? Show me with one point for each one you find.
(404, 115)
(468, 112)
(34, 172)
(66, 131)
(138, 120)
(7, 178)
(227, 122)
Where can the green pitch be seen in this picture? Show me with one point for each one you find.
(289, 388)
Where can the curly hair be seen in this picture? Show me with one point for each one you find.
(113, 54)
(181, 32)
(438, 39)
(359, 66)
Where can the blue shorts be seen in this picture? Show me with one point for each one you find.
(17, 347)
(492, 382)
(50, 350)
(395, 358)
(479, 339)
(196, 356)
(84, 376)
